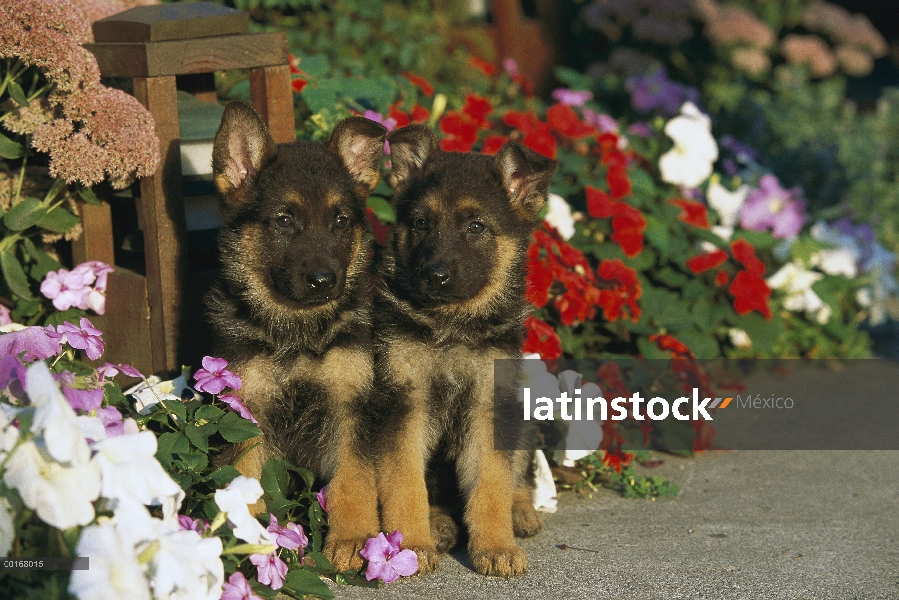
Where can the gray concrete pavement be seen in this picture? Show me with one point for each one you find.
(747, 524)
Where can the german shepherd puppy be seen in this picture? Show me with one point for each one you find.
(292, 310)
(451, 302)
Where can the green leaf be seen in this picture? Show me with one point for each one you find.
(43, 262)
(10, 149)
(700, 343)
(58, 220)
(192, 461)
(322, 564)
(170, 443)
(223, 475)
(573, 79)
(177, 407)
(354, 578)
(14, 274)
(24, 214)
(235, 428)
(316, 65)
(383, 209)
(210, 413)
(18, 94)
(657, 234)
(319, 99)
(87, 194)
(113, 395)
(199, 436)
(304, 582)
(651, 351)
(54, 190)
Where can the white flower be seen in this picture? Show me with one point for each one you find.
(146, 396)
(114, 568)
(545, 499)
(131, 471)
(234, 500)
(841, 260)
(7, 527)
(796, 282)
(54, 418)
(535, 376)
(739, 338)
(559, 216)
(584, 435)
(689, 162)
(186, 566)
(61, 495)
(727, 204)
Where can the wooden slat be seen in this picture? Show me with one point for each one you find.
(163, 220)
(126, 324)
(272, 97)
(180, 57)
(159, 22)
(95, 242)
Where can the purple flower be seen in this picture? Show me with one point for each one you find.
(640, 129)
(185, 523)
(214, 377)
(86, 400)
(5, 316)
(10, 368)
(322, 497)
(572, 97)
(109, 370)
(235, 404)
(603, 122)
(37, 343)
(510, 66)
(290, 536)
(772, 207)
(68, 288)
(657, 92)
(270, 569)
(86, 337)
(237, 588)
(387, 561)
(113, 422)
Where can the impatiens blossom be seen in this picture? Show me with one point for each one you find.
(322, 497)
(84, 337)
(572, 97)
(290, 536)
(796, 282)
(387, 561)
(5, 316)
(689, 162)
(739, 338)
(237, 405)
(83, 287)
(238, 588)
(37, 343)
(559, 216)
(772, 207)
(270, 570)
(214, 377)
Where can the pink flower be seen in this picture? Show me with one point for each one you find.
(322, 497)
(113, 422)
(290, 536)
(37, 343)
(185, 523)
(271, 569)
(238, 588)
(214, 377)
(235, 404)
(86, 400)
(386, 560)
(86, 337)
(772, 207)
(5, 317)
(572, 97)
(67, 288)
(109, 370)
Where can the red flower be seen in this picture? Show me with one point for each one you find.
(380, 230)
(541, 140)
(623, 295)
(617, 459)
(539, 280)
(628, 223)
(722, 278)
(477, 109)
(492, 144)
(745, 253)
(610, 382)
(704, 262)
(420, 114)
(401, 118)
(420, 82)
(523, 121)
(564, 119)
(298, 84)
(461, 133)
(694, 213)
(668, 342)
(616, 176)
(541, 339)
(599, 204)
(750, 293)
(483, 66)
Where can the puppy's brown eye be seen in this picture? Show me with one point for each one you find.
(420, 224)
(341, 222)
(283, 221)
(476, 227)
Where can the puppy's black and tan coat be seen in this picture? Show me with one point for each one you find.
(453, 301)
(291, 313)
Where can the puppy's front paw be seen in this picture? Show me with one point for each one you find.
(344, 553)
(525, 520)
(427, 558)
(444, 531)
(508, 561)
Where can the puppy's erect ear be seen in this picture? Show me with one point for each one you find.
(525, 175)
(410, 148)
(242, 145)
(359, 142)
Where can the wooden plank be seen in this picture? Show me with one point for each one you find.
(126, 324)
(180, 57)
(272, 97)
(163, 221)
(95, 242)
(170, 22)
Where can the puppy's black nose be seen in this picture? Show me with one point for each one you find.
(321, 279)
(436, 275)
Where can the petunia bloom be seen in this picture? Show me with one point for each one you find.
(214, 377)
(772, 207)
(689, 162)
(387, 561)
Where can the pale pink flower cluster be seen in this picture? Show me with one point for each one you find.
(844, 27)
(83, 287)
(97, 132)
(731, 25)
(811, 51)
